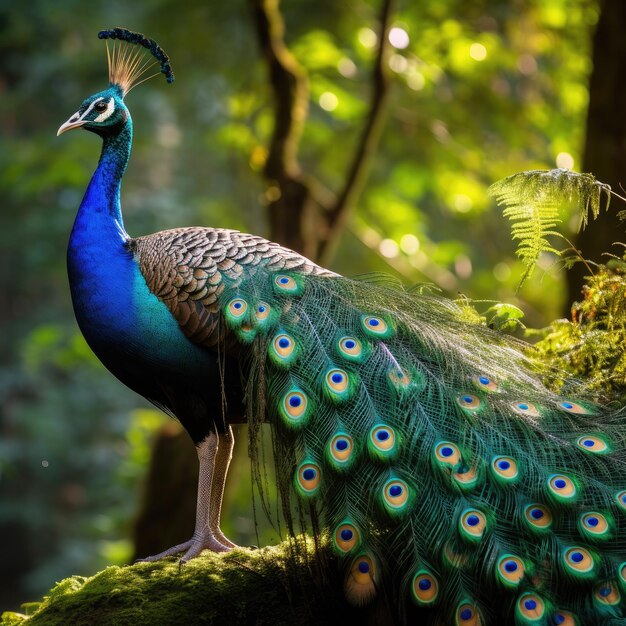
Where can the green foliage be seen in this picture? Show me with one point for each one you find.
(506, 318)
(533, 202)
(71, 462)
(590, 348)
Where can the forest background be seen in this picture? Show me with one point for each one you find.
(365, 133)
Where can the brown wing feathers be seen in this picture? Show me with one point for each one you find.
(186, 267)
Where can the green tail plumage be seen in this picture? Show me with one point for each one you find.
(444, 472)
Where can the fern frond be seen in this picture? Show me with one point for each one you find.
(533, 199)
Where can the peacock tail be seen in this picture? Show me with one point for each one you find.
(436, 464)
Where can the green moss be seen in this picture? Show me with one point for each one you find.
(590, 348)
(268, 586)
(9, 618)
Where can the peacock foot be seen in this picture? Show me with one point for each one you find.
(205, 539)
(224, 540)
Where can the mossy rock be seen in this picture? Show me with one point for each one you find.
(267, 586)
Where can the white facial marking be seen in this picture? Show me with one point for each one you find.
(109, 111)
(103, 116)
(82, 117)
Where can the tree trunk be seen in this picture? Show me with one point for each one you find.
(604, 153)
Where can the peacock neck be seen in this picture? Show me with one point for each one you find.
(98, 259)
(99, 263)
(102, 198)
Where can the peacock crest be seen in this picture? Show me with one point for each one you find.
(131, 56)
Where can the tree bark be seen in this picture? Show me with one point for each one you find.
(604, 153)
(299, 217)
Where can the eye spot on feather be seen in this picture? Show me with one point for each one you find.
(578, 561)
(607, 594)
(526, 409)
(562, 488)
(472, 524)
(594, 526)
(572, 407)
(376, 326)
(382, 441)
(453, 556)
(468, 615)
(399, 378)
(286, 284)
(538, 517)
(592, 443)
(425, 588)
(294, 408)
(351, 348)
(339, 386)
(262, 311)
(360, 585)
(531, 607)
(283, 350)
(504, 469)
(237, 308)
(395, 495)
(340, 449)
(346, 537)
(510, 570)
(620, 498)
(337, 380)
(485, 383)
(466, 478)
(447, 453)
(564, 618)
(308, 479)
(468, 402)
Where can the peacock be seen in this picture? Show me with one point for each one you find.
(426, 451)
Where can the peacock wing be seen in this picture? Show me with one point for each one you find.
(188, 269)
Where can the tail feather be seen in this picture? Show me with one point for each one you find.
(433, 454)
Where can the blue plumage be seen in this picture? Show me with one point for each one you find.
(112, 301)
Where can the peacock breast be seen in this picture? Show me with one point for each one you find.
(119, 316)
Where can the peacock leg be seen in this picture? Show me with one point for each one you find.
(222, 461)
(203, 537)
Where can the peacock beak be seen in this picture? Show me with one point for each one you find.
(73, 122)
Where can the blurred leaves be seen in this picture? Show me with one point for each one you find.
(70, 459)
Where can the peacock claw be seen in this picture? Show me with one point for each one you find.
(201, 540)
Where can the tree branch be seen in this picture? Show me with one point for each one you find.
(290, 203)
(289, 85)
(337, 216)
(300, 215)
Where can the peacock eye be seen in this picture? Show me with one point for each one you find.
(100, 106)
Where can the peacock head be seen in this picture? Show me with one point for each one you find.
(105, 113)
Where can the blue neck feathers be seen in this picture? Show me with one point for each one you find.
(103, 194)
(100, 265)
